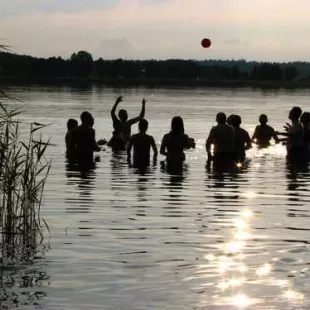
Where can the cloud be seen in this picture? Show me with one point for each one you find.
(143, 29)
(115, 48)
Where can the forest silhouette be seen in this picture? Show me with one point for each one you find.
(82, 66)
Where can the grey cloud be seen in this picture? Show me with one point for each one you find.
(115, 48)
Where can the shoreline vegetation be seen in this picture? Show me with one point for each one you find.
(80, 68)
(152, 82)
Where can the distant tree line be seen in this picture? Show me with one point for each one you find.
(82, 65)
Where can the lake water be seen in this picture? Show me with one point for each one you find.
(199, 240)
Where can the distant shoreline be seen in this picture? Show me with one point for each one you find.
(158, 82)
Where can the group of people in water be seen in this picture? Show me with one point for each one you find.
(226, 144)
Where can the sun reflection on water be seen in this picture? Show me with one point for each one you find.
(241, 301)
(235, 277)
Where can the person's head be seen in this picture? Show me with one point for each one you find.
(87, 119)
(221, 118)
(305, 118)
(177, 125)
(263, 119)
(143, 125)
(295, 113)
(236, 121)
(229, 119)
(71, 124)
(123, 115)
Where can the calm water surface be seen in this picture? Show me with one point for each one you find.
(198, 240)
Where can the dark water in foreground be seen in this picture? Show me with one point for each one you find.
(198, 240)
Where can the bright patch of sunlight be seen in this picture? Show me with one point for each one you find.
(241, 301)
(263, 270)
(234, 247)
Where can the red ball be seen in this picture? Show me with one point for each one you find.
(205, 43)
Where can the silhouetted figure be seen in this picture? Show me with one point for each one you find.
(122, 123)
(242, 139)
(305, 120)
(174, 143)
(142, 143)
(117, 142)
(263, 132)
(295, 134)
(84, 139)
(70, 147)
(222, 137)
(229, 119)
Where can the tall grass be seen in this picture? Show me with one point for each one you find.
(23, 173)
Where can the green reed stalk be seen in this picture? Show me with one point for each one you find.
(23, 173)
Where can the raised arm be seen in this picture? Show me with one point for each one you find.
(141, 115)
(117, 101)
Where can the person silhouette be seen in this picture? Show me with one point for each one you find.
(122, 123)
(264, 133)
(222, 137)
(175, 142)
(141, 144)
(294, 134)
(242, 139)
(84, 140)
(70, 147)
(305, 120)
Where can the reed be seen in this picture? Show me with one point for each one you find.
(23, 173)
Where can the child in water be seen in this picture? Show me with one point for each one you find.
(122, 123)
(142, 143)
(70, 148)
(263, 132)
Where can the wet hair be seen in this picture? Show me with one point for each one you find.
(87, 118)
(143, 125)
(229, 119)
(177, 125)
(123, 115)
(71, 124)
(296, 112)
(236, 121)
(221, 118)
(263, 119)
(305, 118)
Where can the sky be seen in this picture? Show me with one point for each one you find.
(267, 30)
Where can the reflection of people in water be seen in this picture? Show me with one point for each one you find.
(242, 139)
(295, 134)
(175, 142)
(70, 148)
(122, 125)
(142, 143)
(263, 132)
(84, 140)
